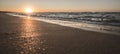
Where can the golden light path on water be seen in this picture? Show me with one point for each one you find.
(28, 28)
(30, 38)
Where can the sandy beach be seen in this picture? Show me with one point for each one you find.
(27, 36)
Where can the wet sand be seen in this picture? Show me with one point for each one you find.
(26, 36)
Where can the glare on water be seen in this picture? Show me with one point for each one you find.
(29, 37)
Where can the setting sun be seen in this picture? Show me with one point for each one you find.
(28, 10)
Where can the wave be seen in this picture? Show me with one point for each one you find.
(92, 22)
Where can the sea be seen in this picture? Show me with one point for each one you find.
(105, 22)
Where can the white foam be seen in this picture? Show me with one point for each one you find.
(84, 26)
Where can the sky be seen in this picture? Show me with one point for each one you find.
(61, 5)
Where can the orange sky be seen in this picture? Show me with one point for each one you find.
(60, 5)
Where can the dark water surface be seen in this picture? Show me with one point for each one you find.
(100, 18)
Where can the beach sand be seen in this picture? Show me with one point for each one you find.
(26, 36)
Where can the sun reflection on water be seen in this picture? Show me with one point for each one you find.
(29, 36)
(28, 28)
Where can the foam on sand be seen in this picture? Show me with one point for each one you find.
(84, 26)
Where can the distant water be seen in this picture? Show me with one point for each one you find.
(96, 21)
(104, 18)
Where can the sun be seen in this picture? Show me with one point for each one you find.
(28, 10)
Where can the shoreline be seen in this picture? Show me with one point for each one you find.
(83, 26)
(27, 36)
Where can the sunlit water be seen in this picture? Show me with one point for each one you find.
(29, 35)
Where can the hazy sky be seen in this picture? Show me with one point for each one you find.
(60, 5)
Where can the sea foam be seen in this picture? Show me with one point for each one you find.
(78, 25)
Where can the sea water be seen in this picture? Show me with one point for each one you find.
(107, 22)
